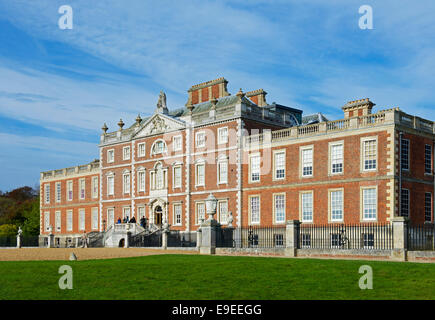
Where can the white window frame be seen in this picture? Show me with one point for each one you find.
(363, 154)
(95, 186)
(304, 163)
(275, 165)
(110, 155)
(200, 143)
(58, 221)
(330, 203)
(177, 146)
(126, 153)
(82, 219)
(110, 212)
(197, 218)
(47, 193)
(199, 183)
(222, 219)
(333, 161)
(127, 212)
(251, 169)
(126, 183)
(69, 187)
(251, 220)
(94, 222)
(303, 206)
(46, 220)
(141, 183)
(58, 192)
(177, 206)
(82, 187)
(176, 168)
(222, 177)
(363, 203)
(69, 220)
(141, 150)
(275, 213)
(163, 150)
(154, 177)
(222, 139)
(139, 213)
(111, 186)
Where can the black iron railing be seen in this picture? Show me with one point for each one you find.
(252, 237)
(181, 239)
(421, 237)
(149, 240)
(8, 241)
(341, 236)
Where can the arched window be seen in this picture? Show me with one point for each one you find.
(158, 177)
(159, 147)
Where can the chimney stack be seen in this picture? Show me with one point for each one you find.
(207, 90)
(258, 97)
(357, 108)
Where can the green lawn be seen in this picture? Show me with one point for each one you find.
(216, 277)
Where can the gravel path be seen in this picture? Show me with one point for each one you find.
(26, 254)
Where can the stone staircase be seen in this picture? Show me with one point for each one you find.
(116, 235)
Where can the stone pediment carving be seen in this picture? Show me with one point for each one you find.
(158, 124)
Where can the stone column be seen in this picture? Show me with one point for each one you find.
(19, 240)
(208, 238)
(400, 238)
(165, 239)
(198, 239)
(50, 241)
(291, 236)
(127, 240)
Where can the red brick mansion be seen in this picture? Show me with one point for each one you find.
(265, 164)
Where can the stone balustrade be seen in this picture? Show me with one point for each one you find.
(389, 116)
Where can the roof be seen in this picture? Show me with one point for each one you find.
(314, 118)
(221, 102)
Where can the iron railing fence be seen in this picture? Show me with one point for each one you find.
(181, 239)
(26, 241)
(343, 236)
(148, 240)
(421, 237)
(29, 241)
(8, 241)
(252, 237)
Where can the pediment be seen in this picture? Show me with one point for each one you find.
(158, 124)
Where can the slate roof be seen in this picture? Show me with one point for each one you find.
(314, 118)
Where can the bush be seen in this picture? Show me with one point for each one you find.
(8, 230)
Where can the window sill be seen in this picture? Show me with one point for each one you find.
(336, 174)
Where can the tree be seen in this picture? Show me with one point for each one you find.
(20, 207)
(7, 230)
(31, 224)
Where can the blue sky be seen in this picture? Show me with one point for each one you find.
(57, 87)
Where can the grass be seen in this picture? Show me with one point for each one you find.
(175, 277)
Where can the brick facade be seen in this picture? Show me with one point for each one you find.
(352, 166)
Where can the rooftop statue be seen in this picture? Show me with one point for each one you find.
(161, 103)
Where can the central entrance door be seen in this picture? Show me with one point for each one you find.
(158, 213)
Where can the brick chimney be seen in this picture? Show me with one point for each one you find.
(358, 108)
(258, 97)
(207, 90)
